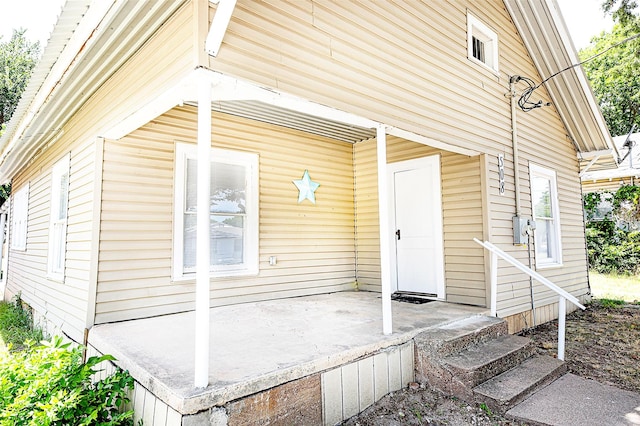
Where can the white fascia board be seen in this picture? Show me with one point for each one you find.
(219, 25)
(591, 154)
(610, 174)
(230, 88)
(414, 137)
(175, 96)
(77, 43)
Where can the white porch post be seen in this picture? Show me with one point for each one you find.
(494, 284)
(203, 231)
(562, 320)
(383, 212)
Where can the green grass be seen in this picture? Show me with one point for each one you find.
(615, 287)
(16, 324)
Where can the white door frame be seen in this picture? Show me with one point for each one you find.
(416, 163)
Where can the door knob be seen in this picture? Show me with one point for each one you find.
(398, 234)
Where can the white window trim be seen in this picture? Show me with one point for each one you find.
(20, 218)
(186, 151)
(59, 169)
(540, 171)
(489, 37)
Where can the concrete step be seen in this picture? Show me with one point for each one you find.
(458, 335)
(483, 361)
(513, 386)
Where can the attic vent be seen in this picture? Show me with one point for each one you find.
(478, 49)
(482, 43)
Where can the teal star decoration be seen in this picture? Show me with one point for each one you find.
(307, 188)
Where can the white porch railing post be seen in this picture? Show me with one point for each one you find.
(494, 284)
(383, 213)
(562, 316)
(562, 302)
(203, 231)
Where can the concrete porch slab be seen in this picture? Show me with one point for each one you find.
(257, 346)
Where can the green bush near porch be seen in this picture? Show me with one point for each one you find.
(49, 384)
(16, 324)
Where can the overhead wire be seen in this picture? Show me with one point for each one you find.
(526, 105)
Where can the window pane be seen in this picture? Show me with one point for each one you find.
(190, 190)
(228, 188)
(228, 192)
(227, 240)
(541, 197)
(189, 250)
(57, 263)
(544, 239)
(63, 194)
(478, 48)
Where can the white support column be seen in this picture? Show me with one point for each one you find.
(383, 212)
(494, 284)
(203, 230)
(562, 316)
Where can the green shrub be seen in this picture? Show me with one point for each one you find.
(50, 385)
(16, 324)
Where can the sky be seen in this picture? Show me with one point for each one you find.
(36, 16)
(583, 17)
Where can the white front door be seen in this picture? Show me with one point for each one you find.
(416, 217)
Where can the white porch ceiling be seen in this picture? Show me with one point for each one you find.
(297, 120)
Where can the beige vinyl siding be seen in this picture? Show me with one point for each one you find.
(314, 244)
(65, 304)
(402, 64)
(462, 213)
(405, 64)
(58, 304)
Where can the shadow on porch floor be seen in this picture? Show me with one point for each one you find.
(257, 346)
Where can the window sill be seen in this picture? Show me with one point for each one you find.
(56, 278)
(553, 265)
(191, 278)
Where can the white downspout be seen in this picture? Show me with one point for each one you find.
(514, 143)
(516, 175)
(203, 231)
(383, 212)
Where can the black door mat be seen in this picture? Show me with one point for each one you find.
(410, 298)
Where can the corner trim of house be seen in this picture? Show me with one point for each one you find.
(95, 233)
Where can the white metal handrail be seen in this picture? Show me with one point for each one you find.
(563, 295)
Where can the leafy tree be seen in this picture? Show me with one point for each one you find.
(622, 11)
(615, 74)
(613, 239)
(18, 56)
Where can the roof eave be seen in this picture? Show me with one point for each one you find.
(69, 72)
(547, 39)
